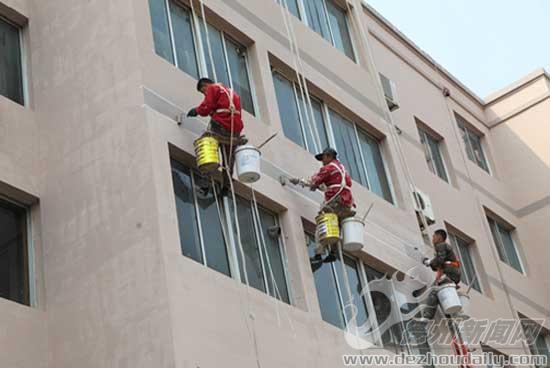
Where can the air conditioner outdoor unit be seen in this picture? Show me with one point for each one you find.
(423, 205)
(390, 92)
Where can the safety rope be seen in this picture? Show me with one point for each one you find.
(218, 207)
(225, 167)
(382, 101)
(302, 81)
(477, 205)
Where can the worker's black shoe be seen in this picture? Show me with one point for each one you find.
(316, 258)
(223, 191)
(330, 258)
(202, 191)
(315, 264)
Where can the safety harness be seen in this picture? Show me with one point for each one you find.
(342, 171)
(229, 93)
(440, 273)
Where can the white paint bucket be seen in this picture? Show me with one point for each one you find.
(448, 299)
(248, 163)
(353, 237)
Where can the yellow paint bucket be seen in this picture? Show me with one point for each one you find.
(207, 153)
(328, 229)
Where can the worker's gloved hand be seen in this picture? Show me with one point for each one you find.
(313, 188)
(294, 181)
(426, 261)
(192, 113)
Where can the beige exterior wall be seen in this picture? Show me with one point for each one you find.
(89, 155)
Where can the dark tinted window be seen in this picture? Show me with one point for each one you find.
(14, 281)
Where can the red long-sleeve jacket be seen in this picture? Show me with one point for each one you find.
(216, 104)
(332, 178)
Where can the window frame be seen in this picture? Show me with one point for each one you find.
(465, 129)
(201, 50)
(27, 245)
(500, 245)
(302, 16)
(425, 136)
(361, 268)
(331, 140)
(231, 243)
(454, 237)
(23, 71)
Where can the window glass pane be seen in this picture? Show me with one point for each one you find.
(427, 151)
(466, 262)
(288, 109)
(13, 254)
(356, 289)
(213, 240)
(319, 123)
(236, 55)
(347, 147)
(292, 6)
(477, 149)
(340, 31)
(437, 159)
(496, 238)
(510, 248)
(466, 140)
(376, 171)
(11, 83)
(327, 292)
(218, 55)
(249, 243)
(183, 37)
(317, 18)
(187, 219)
(161, 30)
(274, 256)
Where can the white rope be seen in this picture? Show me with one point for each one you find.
(302, 81)
(350, 301)
(382, 101)
(477, 205)
(207, 35)
(224, 231)
(257, 219)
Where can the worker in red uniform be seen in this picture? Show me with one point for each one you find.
(334, 180)
(223, 105)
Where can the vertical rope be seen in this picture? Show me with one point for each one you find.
(302, 82)
(382, 101)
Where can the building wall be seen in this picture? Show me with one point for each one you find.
(89, 154)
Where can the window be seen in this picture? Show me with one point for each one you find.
(537, 338)
(357, 150)
(472, 143)
(502, 236)
(377, 179)
(296, 116)
(433, 155)
(208, 235)
(175, 34)
(327, 19)
(360, 153)
(331, 290)
(14, 280)
(11, 73)
(463, 250)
